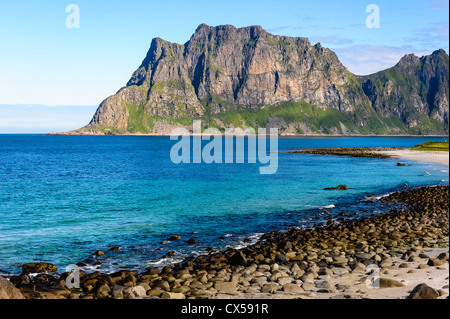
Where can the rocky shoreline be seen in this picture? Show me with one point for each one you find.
(329, 261)
(368, 152)
(439, 157)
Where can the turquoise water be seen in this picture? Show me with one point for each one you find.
(64, 197)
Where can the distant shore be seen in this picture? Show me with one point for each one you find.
(438, 157)
(420, 156)
(74, 133)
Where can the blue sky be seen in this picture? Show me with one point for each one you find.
(44, 62)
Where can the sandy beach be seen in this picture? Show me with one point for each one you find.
(421, 156)
(354, 285)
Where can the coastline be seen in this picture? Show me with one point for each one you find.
(287, 270)
(72, 133)
(420, 156)
(323, 262)
(437, 157)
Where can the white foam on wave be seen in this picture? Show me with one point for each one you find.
(91, 267)
(371, 198)
(328, 206)
(165, 262)
(252, 239)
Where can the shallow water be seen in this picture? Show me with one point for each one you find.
(64, 197)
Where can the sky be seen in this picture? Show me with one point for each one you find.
(45, 62)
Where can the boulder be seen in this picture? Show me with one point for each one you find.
(443, 256)
(442, 292)
(8, 291)
(284, 280)
(117, 292)
(339, 187)
(162, 284)
(325, 272)
(297, 271)
(292, 288)
(423, 266)
(270, 287)
(435, 262)
(172, 295)
(134, 292)
(414, 259)
(308, 286)
(156, 292)
(423, 291)
(38, 268)
(225, 287)
(323, 284)
(238, 259)
(281, 258)
(359, 267)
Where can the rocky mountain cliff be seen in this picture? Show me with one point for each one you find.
(247, 77)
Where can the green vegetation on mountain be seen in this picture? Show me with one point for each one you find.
(247, 77)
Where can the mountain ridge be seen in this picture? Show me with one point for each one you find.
(247, 77)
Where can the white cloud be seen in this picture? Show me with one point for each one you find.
(436, 36)
(366, 59)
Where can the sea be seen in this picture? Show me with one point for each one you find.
(64, 197)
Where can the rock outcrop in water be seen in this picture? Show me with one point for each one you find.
(247, 77)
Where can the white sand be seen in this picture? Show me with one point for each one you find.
(421, 156)
(435, 277)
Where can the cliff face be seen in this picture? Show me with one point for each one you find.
(414, 91)
(247, 77)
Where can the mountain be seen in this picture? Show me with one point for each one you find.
(247, 77)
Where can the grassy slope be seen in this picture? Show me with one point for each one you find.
(318, 120)
(432, 146)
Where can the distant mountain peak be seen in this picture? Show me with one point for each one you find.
(247, 77)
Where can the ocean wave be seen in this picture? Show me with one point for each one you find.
(165, 262)
(371, 198)
(245, 241)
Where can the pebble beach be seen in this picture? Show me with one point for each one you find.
(407, 247)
